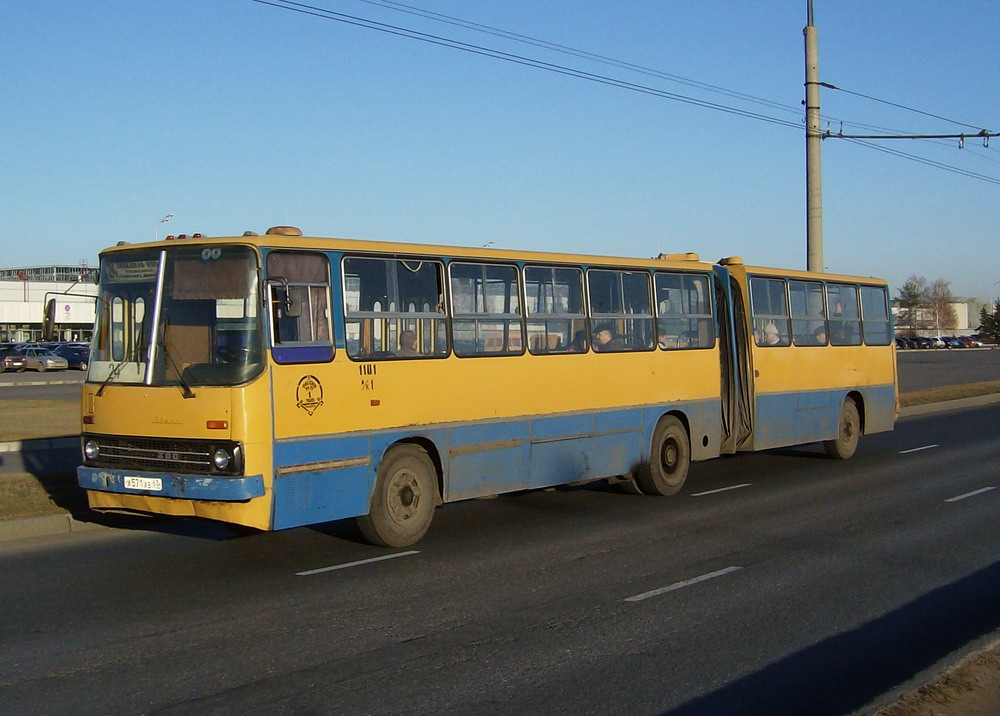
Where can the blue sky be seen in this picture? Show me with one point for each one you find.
(234, 116)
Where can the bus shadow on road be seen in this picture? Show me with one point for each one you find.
(848, 671)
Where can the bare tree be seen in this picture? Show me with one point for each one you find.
(940, 300)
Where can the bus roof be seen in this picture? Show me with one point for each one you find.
(689, 261)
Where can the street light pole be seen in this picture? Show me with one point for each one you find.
(814, 137)
(156, 230)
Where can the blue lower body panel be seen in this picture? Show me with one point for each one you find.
(783, 419)
(189, 487)
(331, 477)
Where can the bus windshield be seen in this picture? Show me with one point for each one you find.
(186, 316)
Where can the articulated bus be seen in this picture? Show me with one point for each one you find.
(276, 381)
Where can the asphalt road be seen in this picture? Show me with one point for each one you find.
(920, 369)
(775, 583)
(51, 385)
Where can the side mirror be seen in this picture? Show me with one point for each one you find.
(49, 320)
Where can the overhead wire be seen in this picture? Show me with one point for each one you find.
(327, 14)
(516, 59)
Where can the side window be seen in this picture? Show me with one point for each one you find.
(684, 311)
(875, 316)
(394, 309)
(770, 311)
(620, 310)
(298, 289)
(486, 310)
(554, 305)
(808, 316)
(117, 329)
(845, 328)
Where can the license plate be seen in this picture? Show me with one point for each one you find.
(152, 484)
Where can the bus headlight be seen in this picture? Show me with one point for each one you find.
(221, 458)
(91, 450)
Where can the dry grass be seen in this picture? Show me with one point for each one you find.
(29, 419)
(950, 392)
(23, 495)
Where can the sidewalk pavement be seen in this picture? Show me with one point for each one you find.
(66, 523)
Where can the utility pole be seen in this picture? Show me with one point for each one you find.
(814, 138)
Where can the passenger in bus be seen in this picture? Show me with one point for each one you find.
(771, 337)
(819, 336)
(606, 340)
(407, 345)
(579, 344)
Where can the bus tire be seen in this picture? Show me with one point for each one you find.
(848, 431)
(669, 457)
(405, 497)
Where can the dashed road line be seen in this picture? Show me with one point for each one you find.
(721, 489)
(355, 564)
(980, 491)
(680, 585)
(925, 447)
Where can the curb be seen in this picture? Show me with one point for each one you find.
(44, 526)
(40, 444)
(25, 384)
(973, 402)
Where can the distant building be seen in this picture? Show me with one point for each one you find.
(922, 323)
(24, 292)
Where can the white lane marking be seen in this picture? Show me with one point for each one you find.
(925, 447)
(721, 489)
(970, 494)
(681, 585)
(355, 564)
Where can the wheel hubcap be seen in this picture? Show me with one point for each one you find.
(405, 495)
(668, 456)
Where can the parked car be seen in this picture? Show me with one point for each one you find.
(42, 359)
(12, 360)
(78, 356)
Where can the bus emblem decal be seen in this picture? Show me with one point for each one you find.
(309, 394)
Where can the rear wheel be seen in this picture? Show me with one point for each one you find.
(405, 497)
(848, 432)
(669, 457)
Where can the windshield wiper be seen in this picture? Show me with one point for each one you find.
(132, 357)
(112, 374)
(185, 388)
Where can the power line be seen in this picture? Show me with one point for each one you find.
(584, 54)
(366, 23)
(325, 14)
(827, 85)
(922, 160)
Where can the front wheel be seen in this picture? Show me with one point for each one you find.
(849, 430)
(405, 497)
(669, 457)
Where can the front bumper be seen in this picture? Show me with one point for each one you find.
(185, 487)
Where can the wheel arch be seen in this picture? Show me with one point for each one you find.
(859, 403)
(674, 413)
(429, 447)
